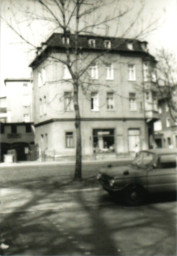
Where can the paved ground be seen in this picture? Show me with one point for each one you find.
(43, 213)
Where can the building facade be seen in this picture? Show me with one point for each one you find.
(165, 129)
(18, 137)
(118, 107)
(16, 119)
(18, 100)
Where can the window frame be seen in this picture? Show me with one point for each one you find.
(145, 72)
(131, 72)
(130, 46)
(107, 44)
(93, 70)
(94, 98)
(132, 102)
(92, 42)
(65, 40)
(71, 143)
(68, 107)
(26, 115)
(39, 79)
(107, 101)
(109, 71)
(168, 124)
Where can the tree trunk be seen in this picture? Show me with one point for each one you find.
(78, 165)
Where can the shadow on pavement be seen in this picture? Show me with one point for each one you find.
(53, 222)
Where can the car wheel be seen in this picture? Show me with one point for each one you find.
(134, 195)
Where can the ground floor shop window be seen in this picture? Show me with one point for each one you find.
(69, 139)
(103, 140)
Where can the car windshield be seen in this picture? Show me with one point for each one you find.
(143, 159)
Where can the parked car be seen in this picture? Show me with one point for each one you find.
(150, 171)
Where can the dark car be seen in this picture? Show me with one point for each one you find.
(150, 171)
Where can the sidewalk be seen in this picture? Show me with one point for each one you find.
(66, 161)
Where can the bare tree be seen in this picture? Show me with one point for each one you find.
(167, 80)
(78, 17)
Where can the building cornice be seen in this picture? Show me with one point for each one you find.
(89, 119)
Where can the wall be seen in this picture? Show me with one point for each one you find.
(16, 92)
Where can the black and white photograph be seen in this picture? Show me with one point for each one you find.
(88, 127)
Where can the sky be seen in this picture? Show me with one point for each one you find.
(15, 56)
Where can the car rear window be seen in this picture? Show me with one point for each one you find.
(168, 161)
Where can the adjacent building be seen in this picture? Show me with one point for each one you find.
(16, 119)
(165, 129)
(19, 100)
(118, 108)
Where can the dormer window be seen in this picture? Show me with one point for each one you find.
(66, 40)
(107, 44)
(92, 43)
(144, 46)
(130, 45)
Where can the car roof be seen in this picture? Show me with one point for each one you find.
(162, 151)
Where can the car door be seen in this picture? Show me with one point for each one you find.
(163, 177)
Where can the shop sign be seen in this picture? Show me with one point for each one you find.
(104, 133)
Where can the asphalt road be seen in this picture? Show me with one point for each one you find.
(23, 172)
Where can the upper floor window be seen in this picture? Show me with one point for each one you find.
(26, 100)
(166, 107)
(94, 101)
(155, 103)
(130, 45)
(92, 43)
(144, 46)
(168, 122)
(66, 40)
(154, 76)
(43, 76)
(3, 102)
(26, 118)
(66, 73)
(109, 72)
(131, 72)
(40, 107)
(110, 100)
(160, 110)
(147, 95)
(69, 139)
(94, 72)
(145, 72)
(107, 44)
(68, 101)
(44, 106)
(132, 102)
(39, 79)
(169, 141)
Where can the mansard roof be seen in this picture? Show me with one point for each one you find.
(116, 45)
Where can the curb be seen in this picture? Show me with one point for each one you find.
(66, 162)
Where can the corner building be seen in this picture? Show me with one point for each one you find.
(117, 112)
